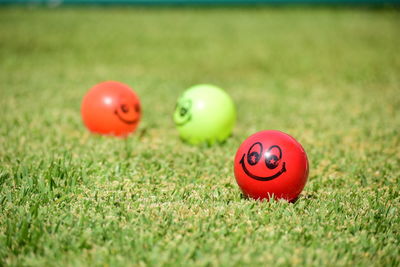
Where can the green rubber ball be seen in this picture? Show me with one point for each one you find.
(204, 114)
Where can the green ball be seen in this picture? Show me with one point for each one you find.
(204, 114)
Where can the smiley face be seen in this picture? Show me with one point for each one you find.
(271, 158)
(183, 112)
(128, 113)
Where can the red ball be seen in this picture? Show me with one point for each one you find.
(271, 164)
(111, 108)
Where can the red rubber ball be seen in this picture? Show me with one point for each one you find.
(111, 108)
(271, 164)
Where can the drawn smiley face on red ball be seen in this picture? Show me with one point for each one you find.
(271, 163)
(127, 111)
(111, 108)
(270, 157)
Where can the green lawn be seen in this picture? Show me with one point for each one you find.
(328, 77)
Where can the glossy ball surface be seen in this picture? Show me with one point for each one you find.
(271, 164)
(204, 114)
(111, 108)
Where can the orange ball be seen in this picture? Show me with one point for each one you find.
(111, 108)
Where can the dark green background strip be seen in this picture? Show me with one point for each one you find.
(200, 2)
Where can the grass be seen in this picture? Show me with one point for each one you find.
(328, 77)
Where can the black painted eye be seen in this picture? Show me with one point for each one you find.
(137, 108)
(183, 107)
(183, 111)
(124, 108)
(273, 157)
(254, 153)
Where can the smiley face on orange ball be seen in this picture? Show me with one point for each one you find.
(271, 164)
(111, 108)
(128, 113)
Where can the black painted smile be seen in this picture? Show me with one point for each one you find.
(260, 178)
(185, 121)
(124, 120)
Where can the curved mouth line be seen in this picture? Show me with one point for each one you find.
(260, 178)
(123, 120)
(185, 121)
